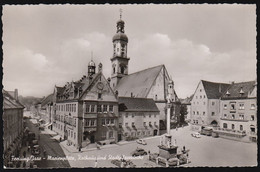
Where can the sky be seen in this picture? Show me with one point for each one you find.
(48, 45)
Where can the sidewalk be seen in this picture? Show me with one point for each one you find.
(92, 146)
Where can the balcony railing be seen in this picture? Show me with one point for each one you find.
(234, 119)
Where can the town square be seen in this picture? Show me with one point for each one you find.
(129, 86)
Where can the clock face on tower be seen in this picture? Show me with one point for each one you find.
(100, 86)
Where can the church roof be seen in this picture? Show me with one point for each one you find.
(9, 101)
(214, 90)
(137, 104)
(235, 90)
(138, 83)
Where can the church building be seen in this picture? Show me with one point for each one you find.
(149, 83)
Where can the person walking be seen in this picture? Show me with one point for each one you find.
(24, 154)
(96, 163)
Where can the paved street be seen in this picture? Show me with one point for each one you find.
(205, 151)
(52, 148)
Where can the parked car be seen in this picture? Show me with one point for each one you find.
(207, 131)
(173, 161)
(162, 161)
(41, 128)
(141, 141)
(35, 142)
(195, 134)
(127, 163)
(138, 152)
(36, 150)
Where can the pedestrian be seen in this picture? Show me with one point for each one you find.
(96, 163)
(24, 164)
(60, 139)
(28, 149)
(24, 154)
(44, 153)
(183, 148)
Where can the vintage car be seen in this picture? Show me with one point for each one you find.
(207, 131)
(138, 152)
(141, 141)
(123, 163)
(41, 128)
(36, 150)
(195, 134)
(173, 161)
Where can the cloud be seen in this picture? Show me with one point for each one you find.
(188, 62)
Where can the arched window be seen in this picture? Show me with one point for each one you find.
(233, 126)
(241, 127)
(114, 70)
(225, 125)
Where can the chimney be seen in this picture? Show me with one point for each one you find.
(219, 88)
(131, 94)
(16, 94)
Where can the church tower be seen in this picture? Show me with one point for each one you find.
(119, 61)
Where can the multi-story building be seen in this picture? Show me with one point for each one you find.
(205, 104)
(86, 111)
(12, 125)
(139, 117)
(46, 111)
(148, 83)
(238, 110)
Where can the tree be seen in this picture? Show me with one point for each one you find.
(183, 112)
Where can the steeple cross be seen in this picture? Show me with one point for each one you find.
(120, 10)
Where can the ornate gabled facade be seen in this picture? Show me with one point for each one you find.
(86, 111)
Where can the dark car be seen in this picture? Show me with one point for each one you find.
(127, 163)
(138, 152)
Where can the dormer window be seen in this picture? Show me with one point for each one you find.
(227, 93)
(241, 91)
